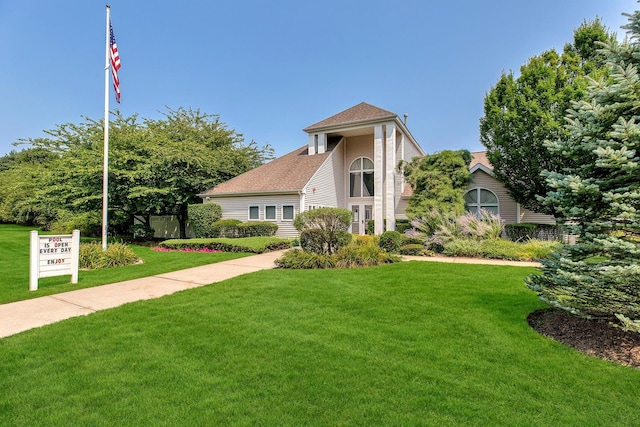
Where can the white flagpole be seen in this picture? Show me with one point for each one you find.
(105, 166)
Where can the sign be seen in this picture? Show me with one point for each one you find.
(56, 255)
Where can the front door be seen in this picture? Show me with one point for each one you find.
(361, 215)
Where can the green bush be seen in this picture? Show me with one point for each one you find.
(257, 229)
(141, 232)
(89, 224)
(298, 259)
(249, 244)
(318, 241)
(331, 225)
(402, 225)
(92, 256)
(413, 249)
(225, 228)
(524, 231)
(501, 249)
(352, 255)
(201, 216)
(391, 241)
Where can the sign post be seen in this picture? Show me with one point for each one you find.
(56, 255)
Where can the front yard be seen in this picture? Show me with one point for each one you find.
(412, 343)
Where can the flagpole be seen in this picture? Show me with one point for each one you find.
(105, 166)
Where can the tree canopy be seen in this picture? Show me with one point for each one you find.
(439, 182)
(156, 166)
(521, 113)
(597, 196)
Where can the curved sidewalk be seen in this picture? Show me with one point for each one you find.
(20, 316)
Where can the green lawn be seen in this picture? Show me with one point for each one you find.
(412, 343)
(14, 265)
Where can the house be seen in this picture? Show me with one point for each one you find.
(350, 161)
(486, 192)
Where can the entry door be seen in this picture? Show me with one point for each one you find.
(361, 215)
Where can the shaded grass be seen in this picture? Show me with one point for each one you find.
(412, 343)
(14, 265)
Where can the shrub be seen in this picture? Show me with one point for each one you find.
(365, 239)
(402, 225)
(251, 245)
(92, 256)
(318, 241)
(501, 249)
(413, 249)
(89, 223)
(225, 228)
(257, 229)
(141, 232)
(332, 225)
(201, 216)
(298, 259)
(526, 231)
(350, 256)
(391, 241)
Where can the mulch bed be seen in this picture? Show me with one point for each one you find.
(593, 337)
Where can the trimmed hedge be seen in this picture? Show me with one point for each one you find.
(256, 245)
(201, 216)
(233, 228)
(391, 241)
(528, 230)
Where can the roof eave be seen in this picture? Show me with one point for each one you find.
(250, 193)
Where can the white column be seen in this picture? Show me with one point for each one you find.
(390, 175)
(378, 174)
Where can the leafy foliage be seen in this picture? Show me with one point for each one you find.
(597, 195)
(348, 256)
(156, 167)
(201, 216)
(391, 241)
(521, 113)
(439, 182)
(500, 249)
(247, 244)
(323, 230)
(117, 255)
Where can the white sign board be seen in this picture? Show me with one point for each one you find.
(53, 256)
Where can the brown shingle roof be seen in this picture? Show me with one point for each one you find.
(362, 112)
(290, 172)
(480, 157)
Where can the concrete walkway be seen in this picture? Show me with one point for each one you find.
(20, 316)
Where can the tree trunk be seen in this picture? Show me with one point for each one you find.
(182, 220)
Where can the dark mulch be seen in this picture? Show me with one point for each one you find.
(593, 337)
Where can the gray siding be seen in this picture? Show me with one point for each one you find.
(238, 208)
(508, 208)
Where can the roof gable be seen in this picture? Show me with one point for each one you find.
(288, 173)
(479, 161)
(360, 113)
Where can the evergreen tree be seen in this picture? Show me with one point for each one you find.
(597, 196)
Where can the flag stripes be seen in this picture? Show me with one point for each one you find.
(115, 62)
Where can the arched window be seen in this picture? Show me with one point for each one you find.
(361, 178)
(481, 198)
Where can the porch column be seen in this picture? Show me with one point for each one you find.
(390, 175)
(378, 176)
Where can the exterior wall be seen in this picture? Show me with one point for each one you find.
(238, 208)
(326, 187)
(167, 227)
(401, 209)
(410, 150)
(508, 208)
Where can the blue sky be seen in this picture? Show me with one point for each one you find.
(271, 68)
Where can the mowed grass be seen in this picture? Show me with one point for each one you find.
(14, 267)
(413, 343)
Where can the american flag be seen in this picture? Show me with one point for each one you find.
(115, 62)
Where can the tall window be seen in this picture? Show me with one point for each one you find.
(361, 178)
(481, 198)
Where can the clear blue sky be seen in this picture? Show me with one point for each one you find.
(271, 68)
